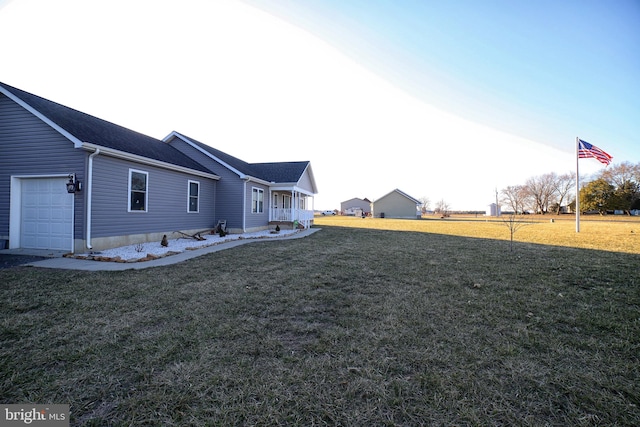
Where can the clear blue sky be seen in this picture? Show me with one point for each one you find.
(441, 99)
(541, 69)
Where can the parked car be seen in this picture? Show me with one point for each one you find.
(328, 213)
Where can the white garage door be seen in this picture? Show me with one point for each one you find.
(47, 214)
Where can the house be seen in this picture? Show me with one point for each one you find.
(351, 206)
(254, 194)
(396, 204)
(73, 182)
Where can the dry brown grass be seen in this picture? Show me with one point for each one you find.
(350, 326)
(615, 234)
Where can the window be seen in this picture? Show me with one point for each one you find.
(193, 204)
(257, 200)
(286, 201)
(138, 181)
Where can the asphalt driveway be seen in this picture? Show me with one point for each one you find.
(7, 260)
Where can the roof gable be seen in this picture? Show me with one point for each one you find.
(402, 194)
(234, 164)
(365, 200)
(84, 128)
(273, 172)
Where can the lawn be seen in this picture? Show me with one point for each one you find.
(350, 326)
(611, 233)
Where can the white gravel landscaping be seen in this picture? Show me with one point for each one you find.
(152, 250)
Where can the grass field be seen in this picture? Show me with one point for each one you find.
(350, 326)
(609, 233)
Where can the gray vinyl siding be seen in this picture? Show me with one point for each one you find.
(305, 182)
(28, 146)
(229, 193)
(356, 203)
(395, 205)
(257, 220)
(229, 189)
(166, 205)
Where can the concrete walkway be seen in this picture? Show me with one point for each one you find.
(83, 264)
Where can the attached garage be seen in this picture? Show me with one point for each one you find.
(46, 214)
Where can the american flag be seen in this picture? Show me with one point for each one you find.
(586, 150)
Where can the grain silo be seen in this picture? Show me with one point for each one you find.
(493, 210)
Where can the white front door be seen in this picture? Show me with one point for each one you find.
(46, 220)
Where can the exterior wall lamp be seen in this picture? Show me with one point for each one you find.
(73, 185)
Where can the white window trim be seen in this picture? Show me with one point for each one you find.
(196, 197)
(146, 192)
(259, 191)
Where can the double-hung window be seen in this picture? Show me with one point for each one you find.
(257, 200)
(193, 202)
(138, 192)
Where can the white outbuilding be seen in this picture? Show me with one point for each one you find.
(493, 210)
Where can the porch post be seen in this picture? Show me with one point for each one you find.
(294, 205)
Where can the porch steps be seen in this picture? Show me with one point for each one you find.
(284, 225)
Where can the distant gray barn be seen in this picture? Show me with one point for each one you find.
(350, 206)
(396, 204)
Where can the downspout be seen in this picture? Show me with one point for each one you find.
(90, 195)
(244, 205)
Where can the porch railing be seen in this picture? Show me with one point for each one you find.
(303, 216)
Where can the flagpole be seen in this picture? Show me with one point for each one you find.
(577, 186)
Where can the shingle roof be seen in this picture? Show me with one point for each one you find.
(281, 171)
(272, 172)
(93, 130)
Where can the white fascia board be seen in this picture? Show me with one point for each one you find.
(256, 180)
(303, 191)
(290, 187)
(313, 179)
(145, 160)
(408, 196)
(38, 114)
(171, 135)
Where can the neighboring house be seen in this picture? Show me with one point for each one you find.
(352, 206)
(396, 204)
(130, 188)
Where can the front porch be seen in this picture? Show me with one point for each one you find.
(288, 219)
(288, 208)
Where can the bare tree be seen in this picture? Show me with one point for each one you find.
(513, 222)
(562, 185)
(541, 189)
(424, 204)
(619, 175)
(515, 197)
(442, 208)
